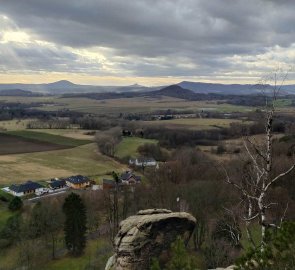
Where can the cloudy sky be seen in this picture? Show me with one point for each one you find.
(151, 42)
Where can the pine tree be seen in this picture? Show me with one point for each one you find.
(15, 204)
(75, 224)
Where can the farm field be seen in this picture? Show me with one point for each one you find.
(128, 146)
(23, 141)
(59, 163)
(194, 123)
(79, 134)
(10, 144)
(14, 124)
(125, 105)
(47, 137)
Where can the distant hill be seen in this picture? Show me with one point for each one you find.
(19, 93)
(231, 89)
(65, 87)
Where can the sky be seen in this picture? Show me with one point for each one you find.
(149, 42)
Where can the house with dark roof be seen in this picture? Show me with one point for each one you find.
(57, 184)
(78, 181)
(27, 188)
(126, 178)
(129, 177)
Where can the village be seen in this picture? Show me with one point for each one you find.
(36, 189)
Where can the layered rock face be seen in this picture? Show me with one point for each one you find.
(146, 235)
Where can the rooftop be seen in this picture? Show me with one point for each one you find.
(28, 186)
(78, 179)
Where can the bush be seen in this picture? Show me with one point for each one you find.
(15, 204)
(279, 252)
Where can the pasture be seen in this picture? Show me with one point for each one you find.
(128, 146)
(193, 123)
(83, 159)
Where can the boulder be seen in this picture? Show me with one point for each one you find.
(146, 235)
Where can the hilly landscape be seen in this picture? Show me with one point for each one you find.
(67, 87)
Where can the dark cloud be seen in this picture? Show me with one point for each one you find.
(155, 37)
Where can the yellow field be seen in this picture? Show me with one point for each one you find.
(60, 163)
(79, 134)
(14, 124)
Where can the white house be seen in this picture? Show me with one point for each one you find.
(29, 187)
(143, 162)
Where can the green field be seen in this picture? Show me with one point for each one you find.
(128, 146)
(49, 138)
(194, 123)
(83, 159)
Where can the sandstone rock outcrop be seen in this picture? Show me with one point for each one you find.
(146, 235)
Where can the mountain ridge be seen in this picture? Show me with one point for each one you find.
(67, 87)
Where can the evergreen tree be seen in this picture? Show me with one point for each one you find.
(15, 204)
(180, 259)
(75, 224)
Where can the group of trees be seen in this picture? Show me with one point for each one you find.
(107, 141)
(37, 231)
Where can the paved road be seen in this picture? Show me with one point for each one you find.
(47, 195)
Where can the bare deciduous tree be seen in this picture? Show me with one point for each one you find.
(255, 186)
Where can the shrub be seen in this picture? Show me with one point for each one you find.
(15, 204)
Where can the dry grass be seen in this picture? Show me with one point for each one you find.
(60, 163)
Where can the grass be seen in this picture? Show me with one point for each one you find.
(128, 146)
(83, 160)
(256, 235)
(74, 133)
(4, 215)
(194, 123)
(96, 253)
(49, 138)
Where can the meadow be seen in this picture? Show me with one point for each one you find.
(85, 160)
(128, 146)
(194, 123)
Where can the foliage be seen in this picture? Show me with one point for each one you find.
(179, 259)
(12, 229)
(279, 252)
(75, 224)
(15, 204)
(153, 150)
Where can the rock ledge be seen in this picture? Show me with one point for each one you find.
(146, 235)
